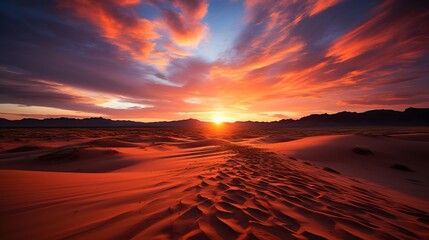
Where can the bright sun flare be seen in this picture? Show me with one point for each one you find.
(218, 120)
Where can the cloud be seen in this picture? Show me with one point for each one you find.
(189, 72)
(283, 59)
(184, 26)
(415, 98)
(268, 58)
(275, 115)
(25, 90)
(119, 23)
(177, 52)
(318, 6)
(397, 31)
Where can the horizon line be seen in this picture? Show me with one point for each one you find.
(207, 121)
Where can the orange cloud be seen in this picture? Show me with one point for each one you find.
(318, 6)
(307, 8)
(119, 24)
(177, 52)
(399, 40)
(195, 9)
(185, 27)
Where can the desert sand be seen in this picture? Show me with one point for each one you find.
(214, 184)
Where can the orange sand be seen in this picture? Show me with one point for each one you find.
(182, 184)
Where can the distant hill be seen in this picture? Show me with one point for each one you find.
(410, 117)
(94, 122)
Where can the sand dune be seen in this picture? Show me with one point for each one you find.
(347, 155)
(275, 138)
(422, 137)
(203, 143)
(107, 142)
(188, 187)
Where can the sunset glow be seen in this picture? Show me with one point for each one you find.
(170, 60)
(218, 120)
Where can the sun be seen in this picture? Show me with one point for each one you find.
(218, 120)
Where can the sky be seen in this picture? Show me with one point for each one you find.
(222, 60)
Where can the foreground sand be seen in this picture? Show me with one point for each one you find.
(186, 184)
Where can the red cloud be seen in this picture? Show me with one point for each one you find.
(118, 23)
(195, 9)
(405, 99)
(185, 27)
(320, 5)
(403, 38)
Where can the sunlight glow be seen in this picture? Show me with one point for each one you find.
(218, 120)
(120, 104)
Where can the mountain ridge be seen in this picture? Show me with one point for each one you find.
(377, 117)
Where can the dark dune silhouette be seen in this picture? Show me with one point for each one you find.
(409, 117)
